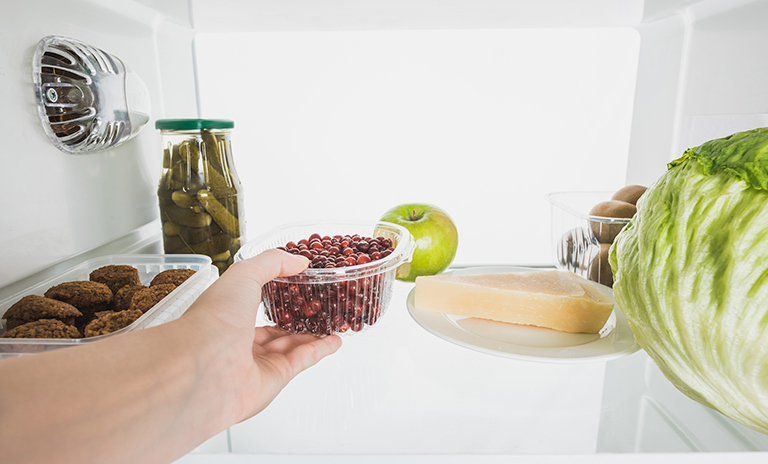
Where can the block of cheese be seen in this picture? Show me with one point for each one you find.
(558, 300)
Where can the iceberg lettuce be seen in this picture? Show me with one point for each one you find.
(691, 275)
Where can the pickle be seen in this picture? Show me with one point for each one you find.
(220, 185)
(221, 256)
(167, 156)
(189, 153)
(211, 247)
(222, 265)
(236, 242)
(212, 149)
(220, 214)
(183, 200)
(176, 177)
(185, 217)
(170, 229)
(198, 234)
(173, 244)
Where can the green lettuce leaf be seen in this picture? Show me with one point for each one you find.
(691, 275)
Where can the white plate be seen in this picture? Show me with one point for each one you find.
(526, 342)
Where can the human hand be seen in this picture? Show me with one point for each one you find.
(263, 359)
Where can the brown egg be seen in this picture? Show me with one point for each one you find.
(629, 194)
(607, 229)
(600, 267)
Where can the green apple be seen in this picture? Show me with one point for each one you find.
(436, 238)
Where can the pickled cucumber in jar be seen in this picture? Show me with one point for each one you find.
(200, 194)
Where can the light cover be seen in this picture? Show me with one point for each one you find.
(88, 100)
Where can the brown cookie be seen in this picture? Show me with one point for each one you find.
(116, 276)
(32, 308)
(172, 276)
(122, 300)
(145, 298)
(44, 328)
(111, 322)
(89, 297)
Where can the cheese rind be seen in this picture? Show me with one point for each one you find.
(558, 300)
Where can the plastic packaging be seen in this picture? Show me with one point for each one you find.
(200, 194)
(576, 235)
(351, 299)
(171, 307)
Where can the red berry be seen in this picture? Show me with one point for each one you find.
(335, 306)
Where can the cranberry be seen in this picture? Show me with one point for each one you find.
(286, 317)
(334, 307)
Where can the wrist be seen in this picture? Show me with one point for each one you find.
(221, 359)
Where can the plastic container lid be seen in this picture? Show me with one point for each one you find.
(193, 124)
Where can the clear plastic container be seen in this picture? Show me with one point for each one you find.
(169, 308)
(200, 194)
(346, 299)
(580, 241)
(88, 100)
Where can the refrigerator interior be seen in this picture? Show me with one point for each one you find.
(345, 109)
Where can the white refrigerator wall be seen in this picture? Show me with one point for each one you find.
(343, 125)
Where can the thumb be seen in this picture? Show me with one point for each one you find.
(235, 296)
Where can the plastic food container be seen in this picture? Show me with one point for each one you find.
(581, 242)
(331, 300)
(171, 307)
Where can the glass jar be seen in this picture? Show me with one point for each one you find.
(200, 195)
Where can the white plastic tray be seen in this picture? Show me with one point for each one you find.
(171, 307)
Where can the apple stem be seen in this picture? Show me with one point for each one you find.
(415, 216)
